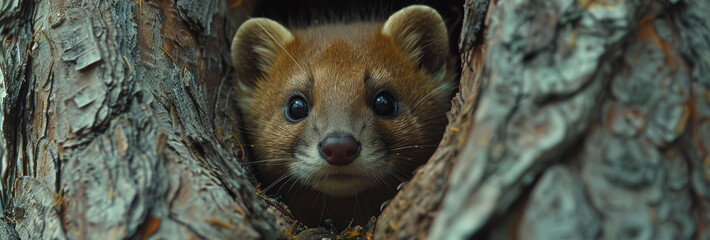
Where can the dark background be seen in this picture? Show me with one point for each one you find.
(298, 13)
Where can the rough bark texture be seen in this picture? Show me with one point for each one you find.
(118, 123)
(579, 119)
(592, 122)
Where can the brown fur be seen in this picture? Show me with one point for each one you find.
(339, 68)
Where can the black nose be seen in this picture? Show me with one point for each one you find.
(339, 149)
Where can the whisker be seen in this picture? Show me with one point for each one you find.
(395, 172)
(356, 204)
(272, 125)
(295, 180)
(278, 160)
(314, 202)
(276, 182)
(376, 178)
(290, 188)
(320, 219)
(411, 146)
(265, 145)
(435, 90)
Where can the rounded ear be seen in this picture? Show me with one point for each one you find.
(255, 47)
(421, 33)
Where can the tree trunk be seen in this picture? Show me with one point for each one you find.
(585, 119)
(118, 122)
(576, 120)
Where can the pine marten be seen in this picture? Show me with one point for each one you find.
(340, 114)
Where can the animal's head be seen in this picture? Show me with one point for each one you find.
(341, 107)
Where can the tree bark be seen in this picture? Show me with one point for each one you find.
(118, 122)
(575, 120)
(583, 119)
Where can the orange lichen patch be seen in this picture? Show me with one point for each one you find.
(258, 191)
(683, 119)
(212, 220)
(586, 4)
(149, 227)
(647, 31)
(455, 129)
(350, 234)
(240, 145)
(235, 3)
(289, 234)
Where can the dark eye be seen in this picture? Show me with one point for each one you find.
(384, 105)
(297, 109)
